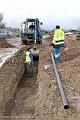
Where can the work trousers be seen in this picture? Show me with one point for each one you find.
(29, 68)
(57, 53)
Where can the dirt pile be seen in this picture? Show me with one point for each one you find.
(5, 44)
(71, 49)
(49, 104)
(70, 37)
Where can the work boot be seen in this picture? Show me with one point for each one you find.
(57, 58)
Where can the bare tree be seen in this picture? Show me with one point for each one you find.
(2, 25)
(1, 17)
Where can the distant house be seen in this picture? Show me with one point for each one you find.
(69, 33)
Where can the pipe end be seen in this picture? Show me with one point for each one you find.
(66, 107)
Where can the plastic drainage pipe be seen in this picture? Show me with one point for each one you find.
(65, 103)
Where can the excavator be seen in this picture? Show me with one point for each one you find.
(31, 31)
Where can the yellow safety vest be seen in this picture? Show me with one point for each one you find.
(28, 59)
(58, 35)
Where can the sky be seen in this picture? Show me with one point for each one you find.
(65, 13)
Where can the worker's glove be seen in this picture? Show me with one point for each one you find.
(51, 44)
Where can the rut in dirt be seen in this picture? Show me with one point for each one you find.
(25, 96)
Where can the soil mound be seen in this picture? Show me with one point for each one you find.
(5, 44)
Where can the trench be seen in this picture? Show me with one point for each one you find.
(22, 104)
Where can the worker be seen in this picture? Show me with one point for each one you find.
(58, 41)
(29, 56)
(31, 26)
(29, 62)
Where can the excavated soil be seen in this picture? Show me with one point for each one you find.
(5, 44)
(38, 97)
(49, 105)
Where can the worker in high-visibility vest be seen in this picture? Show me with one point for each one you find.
(29, 62)
(58, 41)
(29, 56)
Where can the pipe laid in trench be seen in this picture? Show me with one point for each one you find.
(65, 103)
(35, 52)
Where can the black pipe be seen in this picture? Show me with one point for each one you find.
(65, 103)
(35, 54)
